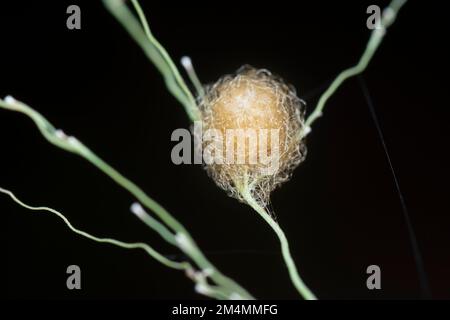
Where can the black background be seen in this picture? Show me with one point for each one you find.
(340, 210)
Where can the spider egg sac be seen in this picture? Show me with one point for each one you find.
(252, 124)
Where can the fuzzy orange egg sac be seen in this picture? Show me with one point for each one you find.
(255, 121)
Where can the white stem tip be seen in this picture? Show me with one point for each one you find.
(137, 209)
(186, 62)
(10, 99)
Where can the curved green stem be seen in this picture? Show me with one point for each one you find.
(180, 237)
(155, 52)
(388, 17)
(202, 286)
(137, 245)
(290, 264)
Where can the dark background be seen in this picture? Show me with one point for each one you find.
(340, 211)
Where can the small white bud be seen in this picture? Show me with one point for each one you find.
(306, 130)
(186, 62)
(10, 100)
(60, 134)
(201, 288)
(137, 209)
(72, 140)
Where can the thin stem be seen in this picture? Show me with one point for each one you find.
(376, 37)
(153, 223)
(186, 62)
(202, 286)
(290, 264)
(138, 245)
(71, 144)
(155, 52)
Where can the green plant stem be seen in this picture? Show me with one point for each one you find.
(376, 37)
(188, 245)
(138, 245)
(290, 264)
(155, 52)
(186, 62)
(215, 292)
